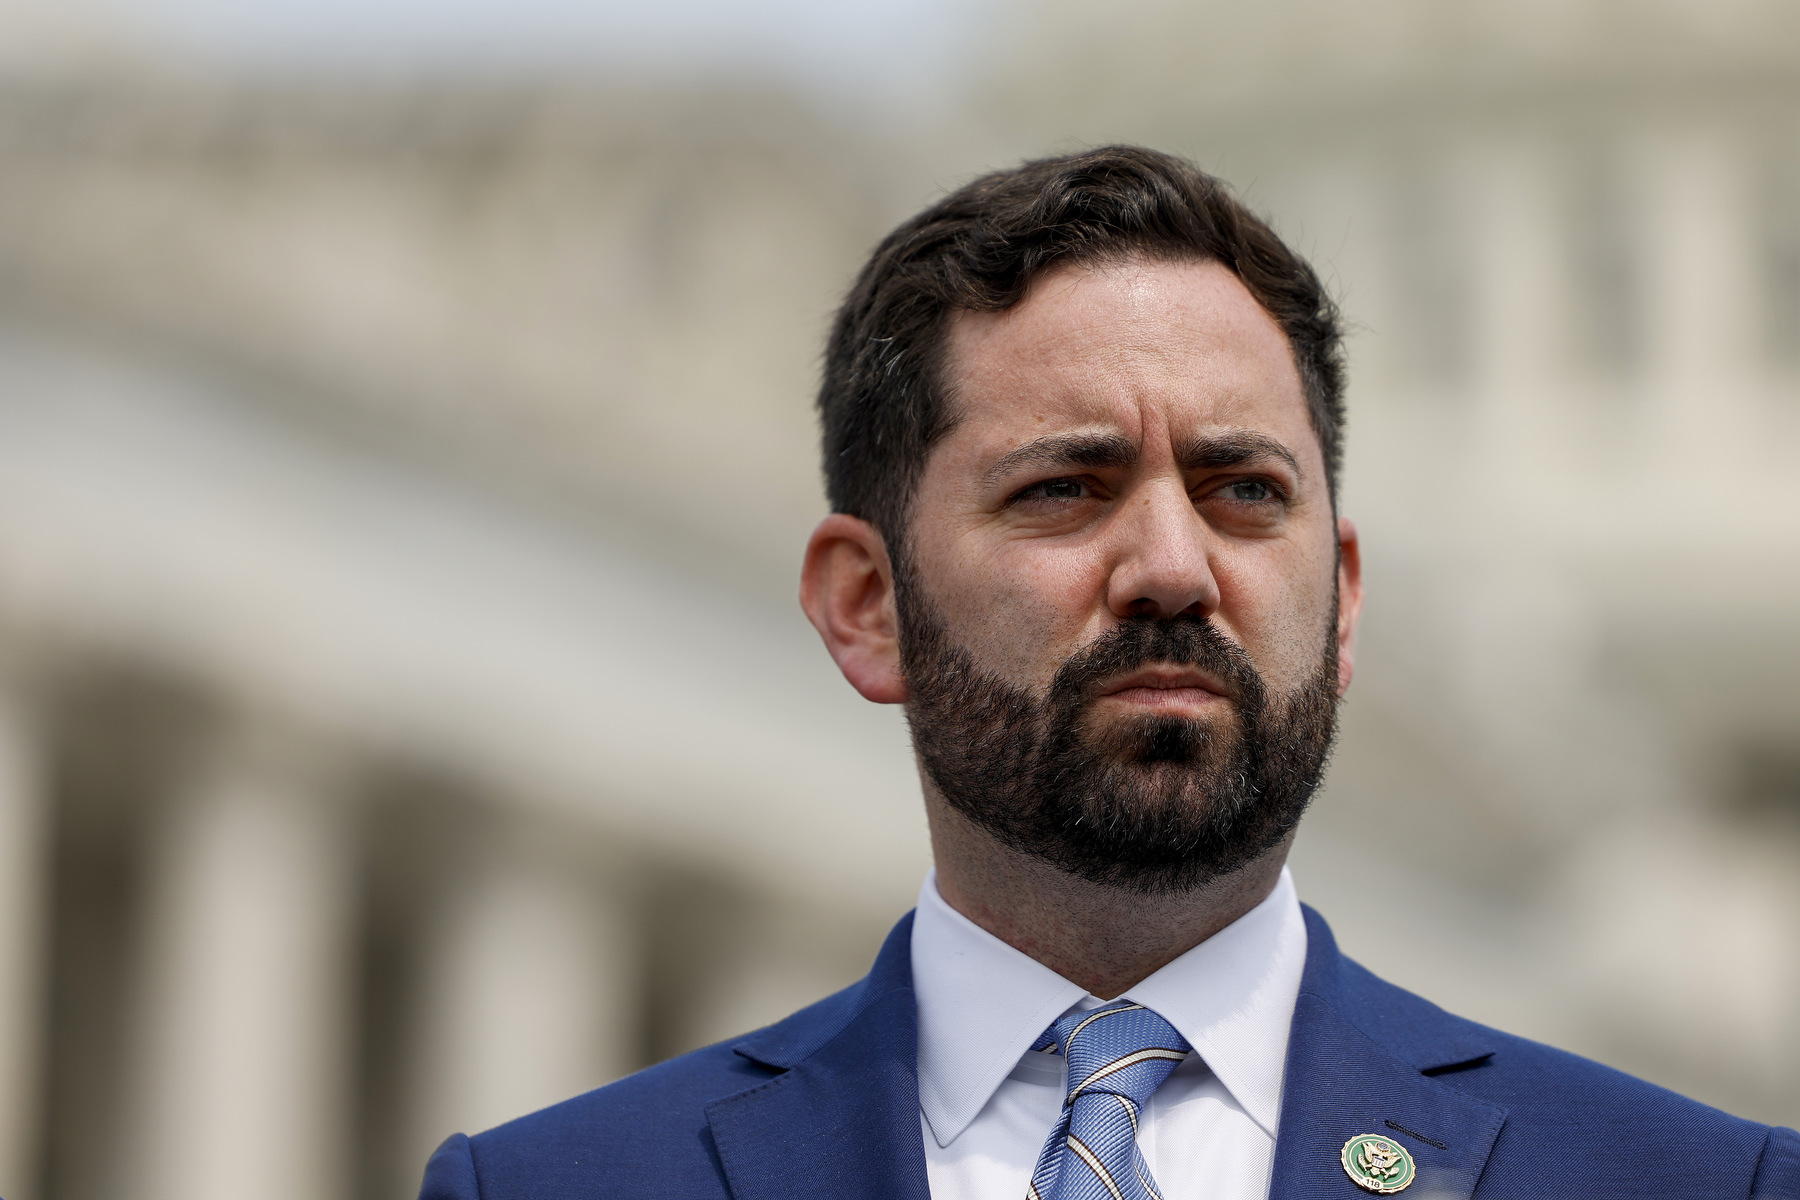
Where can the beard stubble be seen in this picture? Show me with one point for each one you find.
(1155, 804)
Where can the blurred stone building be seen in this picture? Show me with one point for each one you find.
(404, 716)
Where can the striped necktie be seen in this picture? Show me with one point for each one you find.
(1117, 1055)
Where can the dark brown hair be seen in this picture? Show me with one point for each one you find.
(881, 403)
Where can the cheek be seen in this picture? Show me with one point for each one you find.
(1280, 615)
(1019, 609)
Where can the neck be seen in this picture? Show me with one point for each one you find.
(1105, 939)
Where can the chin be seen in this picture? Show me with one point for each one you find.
(1167, 740)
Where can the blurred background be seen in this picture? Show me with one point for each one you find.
(406, 452)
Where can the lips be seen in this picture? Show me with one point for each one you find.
(1166, 684)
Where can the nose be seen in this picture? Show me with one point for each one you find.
(1160, 566)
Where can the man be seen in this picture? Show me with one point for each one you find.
(1082, 426)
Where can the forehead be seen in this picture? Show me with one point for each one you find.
(1128, 346)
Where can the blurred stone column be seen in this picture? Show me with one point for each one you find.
(531, 991)
(1521, 300)
(242, 1077)
(24, 876)
(1698, 182)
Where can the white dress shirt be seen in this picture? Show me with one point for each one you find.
(988, 1101)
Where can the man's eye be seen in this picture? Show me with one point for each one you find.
(1251, 490)
(1057, 489)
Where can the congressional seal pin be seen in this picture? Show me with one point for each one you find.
(1377, 1163)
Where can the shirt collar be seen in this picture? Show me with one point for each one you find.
(982, 1003)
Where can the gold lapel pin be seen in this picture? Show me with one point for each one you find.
(1377, 1163)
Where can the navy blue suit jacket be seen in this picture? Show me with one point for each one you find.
(825, 1106)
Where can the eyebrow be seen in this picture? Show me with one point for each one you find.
(1233, 449)
(1090, 450)
(1098, 450)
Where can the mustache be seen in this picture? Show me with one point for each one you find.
(1136, 642)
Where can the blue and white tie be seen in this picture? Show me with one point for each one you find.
(1117, 1055)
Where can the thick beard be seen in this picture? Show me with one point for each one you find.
(1153, 804)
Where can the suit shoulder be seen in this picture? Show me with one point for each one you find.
(680, 1086)
(1531, 1076)
(652, 1120)
(651, 1124)
(691, 1081)
(1543, 1088)
(1618, 1126)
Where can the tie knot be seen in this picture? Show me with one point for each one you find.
(1120, 1049)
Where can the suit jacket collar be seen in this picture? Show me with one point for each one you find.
(1362, 1058)
(841, 1119)
(841, 1122)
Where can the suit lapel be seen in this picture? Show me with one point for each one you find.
(841, 1122)
(841, 1119)
(1342, 1081)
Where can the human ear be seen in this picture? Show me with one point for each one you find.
(847, 591)
(1350, 599)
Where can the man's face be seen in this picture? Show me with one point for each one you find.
(1120, 602)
